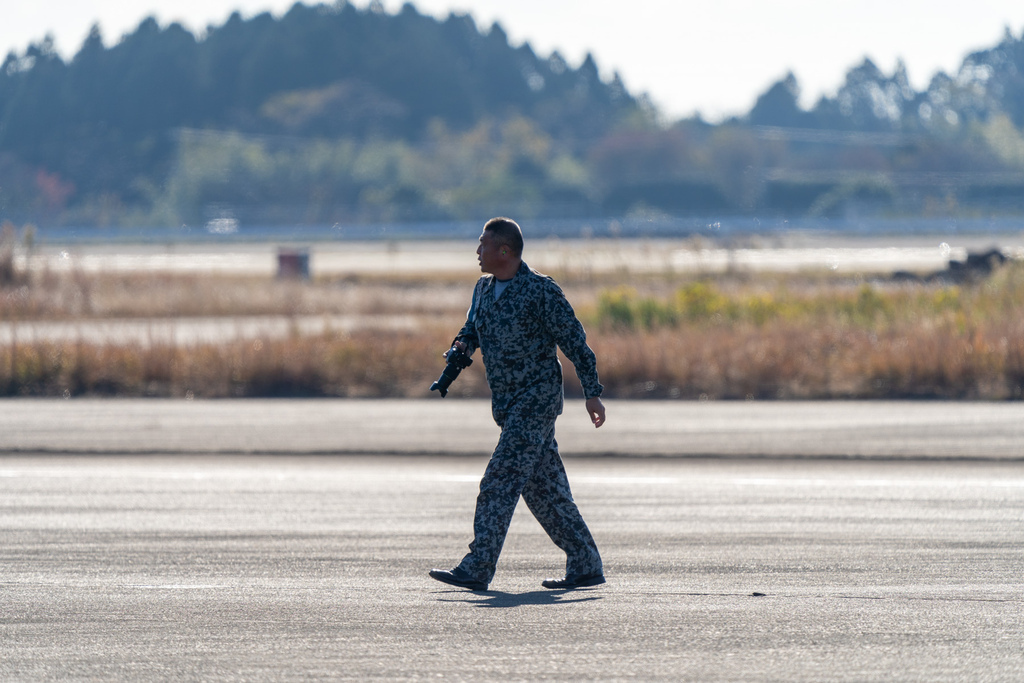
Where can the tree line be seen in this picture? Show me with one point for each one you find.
(333, 113)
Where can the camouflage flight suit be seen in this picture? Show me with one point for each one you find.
(517, 335)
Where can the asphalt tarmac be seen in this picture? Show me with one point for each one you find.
(193, 563)
(835, 429)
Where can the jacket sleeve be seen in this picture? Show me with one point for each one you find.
(568, 333)
(468, 334)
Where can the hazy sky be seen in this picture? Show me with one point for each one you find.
(714, 57)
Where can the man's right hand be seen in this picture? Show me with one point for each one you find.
(460, 345)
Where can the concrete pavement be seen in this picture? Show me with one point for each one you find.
(264, 568)
(839, 429)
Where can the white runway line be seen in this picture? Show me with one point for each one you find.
(875, 255)
(653, 481)
(882, 483)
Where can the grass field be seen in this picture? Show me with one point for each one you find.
(731, 335)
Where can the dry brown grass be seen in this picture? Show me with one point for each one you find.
(792, 338)
(365, 365)
(731, 337)
(788, 362)
(75, 295)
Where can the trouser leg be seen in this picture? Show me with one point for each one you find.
(549, 498)
(512, 464)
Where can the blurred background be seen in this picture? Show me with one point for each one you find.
(262, 199)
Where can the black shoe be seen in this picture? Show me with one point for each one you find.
(458, 577)
(574, 581)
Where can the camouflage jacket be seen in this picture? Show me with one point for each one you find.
(517, 336)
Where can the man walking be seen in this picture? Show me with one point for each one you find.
(517, 319)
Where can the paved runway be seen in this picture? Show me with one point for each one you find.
(258, 540)
(836, 429)
(784, 253)
(257, 568)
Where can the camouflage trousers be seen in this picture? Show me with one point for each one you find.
(526, 463)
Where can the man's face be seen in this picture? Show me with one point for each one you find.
(489, 253)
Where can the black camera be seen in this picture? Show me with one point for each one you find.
(457, 362)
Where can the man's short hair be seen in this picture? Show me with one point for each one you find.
(507, 232)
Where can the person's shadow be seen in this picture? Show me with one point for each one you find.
(505, 600)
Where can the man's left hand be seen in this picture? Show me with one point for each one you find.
(596, 411)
